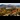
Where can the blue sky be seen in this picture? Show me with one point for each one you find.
(10, 3)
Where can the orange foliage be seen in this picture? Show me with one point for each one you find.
(13, 11)
(4, 10)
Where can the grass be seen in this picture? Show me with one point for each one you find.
(5, 11)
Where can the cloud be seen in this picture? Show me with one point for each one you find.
(10, 3)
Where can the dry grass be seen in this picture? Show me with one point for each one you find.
(10, 13)
(18, 9)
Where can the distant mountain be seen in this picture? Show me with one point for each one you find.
(9, 5)
(1, 5)
(18, 5)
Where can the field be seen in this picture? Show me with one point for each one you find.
(6, 12)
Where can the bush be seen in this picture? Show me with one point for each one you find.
(19, 13)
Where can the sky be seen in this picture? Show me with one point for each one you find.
(10, 3)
